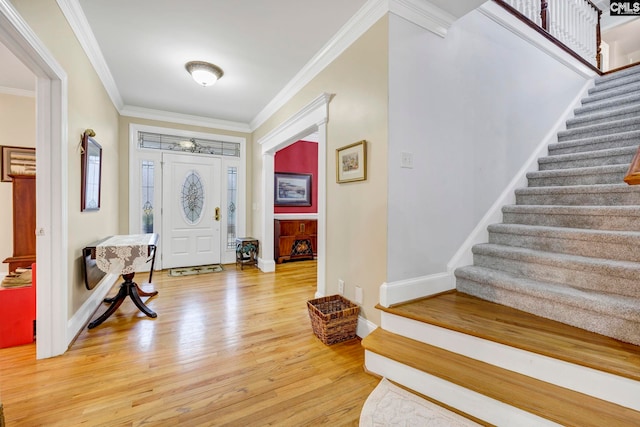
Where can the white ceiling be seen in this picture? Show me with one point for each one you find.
(261, 45)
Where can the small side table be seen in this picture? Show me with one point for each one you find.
(246, 251)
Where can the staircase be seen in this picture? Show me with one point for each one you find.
(544, 327)
(569, 249)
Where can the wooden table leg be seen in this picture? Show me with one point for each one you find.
(127, 288)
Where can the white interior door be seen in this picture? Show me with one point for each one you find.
(190, 210)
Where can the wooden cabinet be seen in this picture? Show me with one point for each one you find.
(295, 239)
(24, 222)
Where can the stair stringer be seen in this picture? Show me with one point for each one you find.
(601, 385)
(463, 399)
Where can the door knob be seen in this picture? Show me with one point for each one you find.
(217, 217)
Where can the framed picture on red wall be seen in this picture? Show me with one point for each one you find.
(292, 189)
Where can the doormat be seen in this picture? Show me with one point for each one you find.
(200, 269)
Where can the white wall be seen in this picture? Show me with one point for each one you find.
(471, 108)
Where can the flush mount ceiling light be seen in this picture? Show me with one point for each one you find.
(204, 73)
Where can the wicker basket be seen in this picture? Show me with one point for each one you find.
(333, 319)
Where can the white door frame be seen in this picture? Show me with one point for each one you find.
(51, 186)
(136, 154)
(311, 118)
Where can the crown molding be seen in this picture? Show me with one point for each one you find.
(424, 14)
(17, 92)
(185, 119)
(80, 26)
(368, 15)
(420, 12)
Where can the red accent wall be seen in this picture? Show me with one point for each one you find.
(300, 157)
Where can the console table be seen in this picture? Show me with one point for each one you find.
(124, 254)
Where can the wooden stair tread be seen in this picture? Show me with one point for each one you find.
(483, 319)
(546, 400)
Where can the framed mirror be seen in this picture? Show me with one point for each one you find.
(91, 172)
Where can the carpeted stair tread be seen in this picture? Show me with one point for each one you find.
(608, 314)
(603, 115)
(499, 323)
(619, 78)
(593, 217)
(593, 195)
(594, 274)
(609, 174)
(610, 103)
(609, 156)
(548, 401)
(600, 129)
(623, 139)
(606, 244)
(613, 268)
(612, 90)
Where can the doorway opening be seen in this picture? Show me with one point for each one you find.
(310, 120)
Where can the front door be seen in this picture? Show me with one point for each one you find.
(190, 210)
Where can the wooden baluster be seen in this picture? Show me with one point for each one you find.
(544, 14)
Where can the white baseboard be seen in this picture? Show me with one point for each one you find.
(418, 287)
(365, 327)
(84, 313)
(266, 266)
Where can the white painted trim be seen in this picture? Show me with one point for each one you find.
(424, 14)
(268, 266)
(480, 234)
(80, 26)
(17, 92)
(463, 399)
(185, 119)
(296, 216)
(84, 313)
(296, 127)
(418, 287)
(311, 118)
(501, 16)
(368, 15)
(51, 187)
(601, 385)
(365, 327)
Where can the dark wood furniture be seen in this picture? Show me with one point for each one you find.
(295, 239)
(24, 222)
(128, 287)
(247, 249)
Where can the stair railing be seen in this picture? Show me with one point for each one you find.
(575, 24)
(632, 176)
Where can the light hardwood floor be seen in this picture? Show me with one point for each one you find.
(229, 348)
